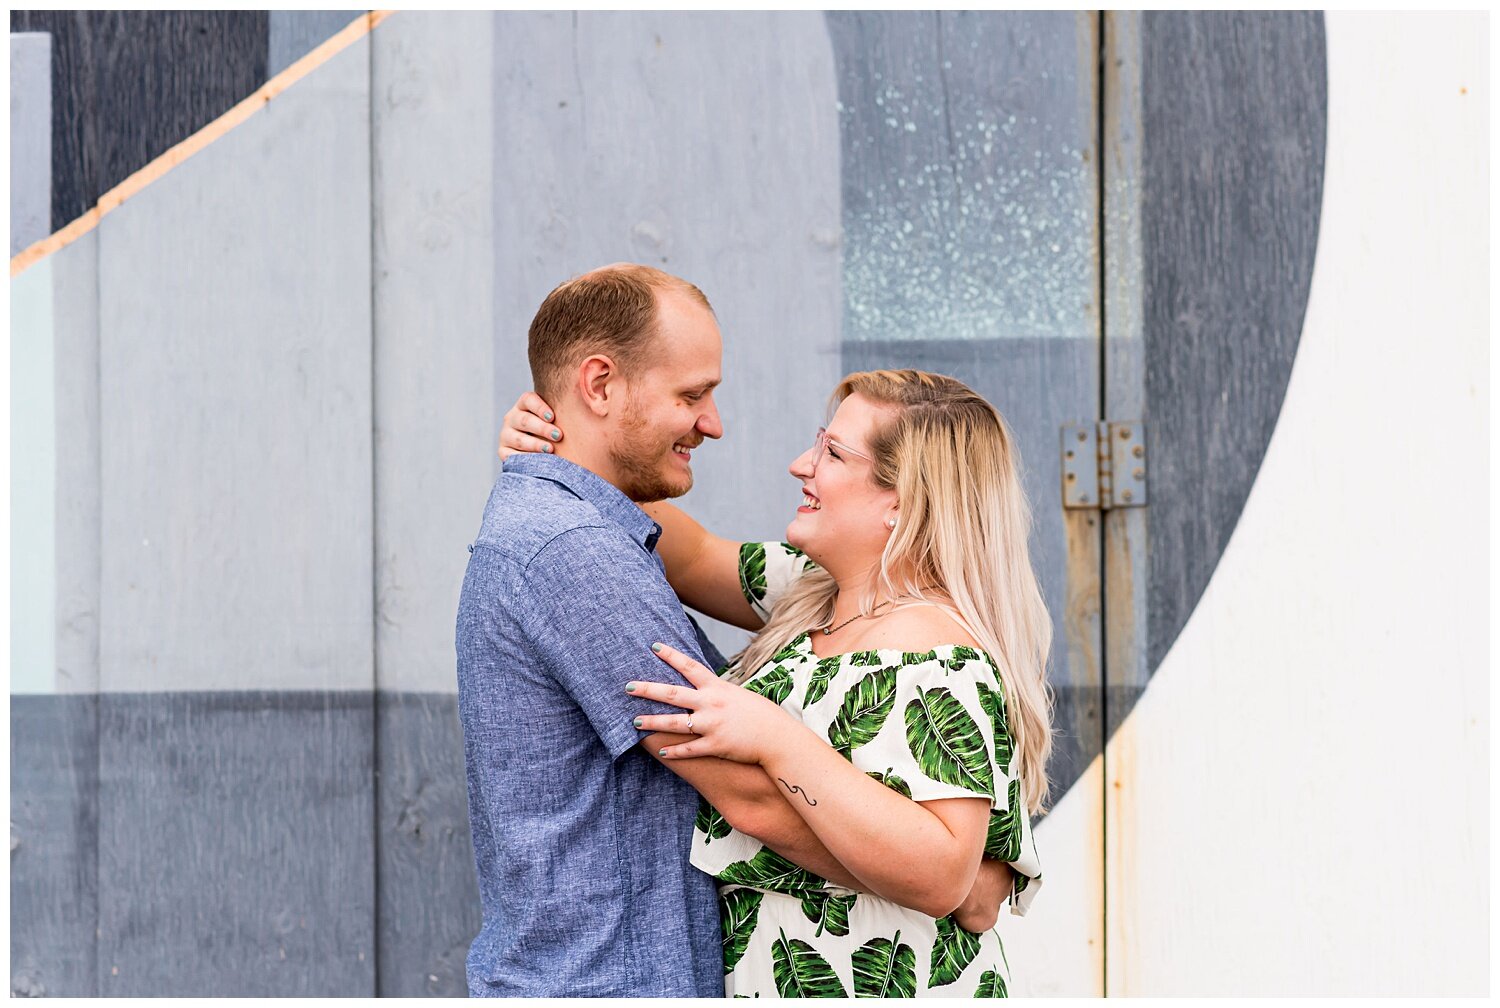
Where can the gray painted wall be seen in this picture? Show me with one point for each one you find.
(30, 138)
(234, 304)
(705, 145)
(292, 34)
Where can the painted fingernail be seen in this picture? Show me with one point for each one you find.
(546, 448)
(630, 687)
(557, 435)
(656, 648)
(662, 753)
(637, 722)
(547, 416)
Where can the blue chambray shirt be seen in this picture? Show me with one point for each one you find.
(581, 839)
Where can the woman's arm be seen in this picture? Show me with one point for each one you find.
(702, 568)
(923, 855)
(757, 806)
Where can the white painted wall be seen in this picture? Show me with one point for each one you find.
(1304, 786)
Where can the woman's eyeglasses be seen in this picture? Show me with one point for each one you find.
(821, 441)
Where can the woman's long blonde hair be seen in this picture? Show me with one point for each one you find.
(963, 528)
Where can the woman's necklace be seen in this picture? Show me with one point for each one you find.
(831, 629)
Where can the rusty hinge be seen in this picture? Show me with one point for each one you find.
(1104, 464)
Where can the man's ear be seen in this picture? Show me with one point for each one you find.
(599, 384)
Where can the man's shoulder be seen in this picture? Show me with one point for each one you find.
(526, 515)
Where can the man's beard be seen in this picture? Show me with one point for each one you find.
(638, 463)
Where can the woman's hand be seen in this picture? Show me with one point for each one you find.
(528, 427)
(980, 910)
(729, 720)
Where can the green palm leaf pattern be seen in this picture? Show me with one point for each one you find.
(753, 570)
(791, 550)
(1022, 881)
(1003, 839)
(891, 781)
(918, 657)
(790, 651)
(991, 985)
(865, 658)
(946, 741)
(829, 911)
(710, 822)
(884, 967)
(769, 870)
(862, 714)
(962, 655)
(800, 972)
(954, 949)
(822, 678)
(739, 910)
(775, 685)
(993, 702)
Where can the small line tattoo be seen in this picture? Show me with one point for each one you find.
(794, 789)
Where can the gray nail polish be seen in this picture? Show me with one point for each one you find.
(557, 435)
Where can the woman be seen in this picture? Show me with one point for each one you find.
(896, 691)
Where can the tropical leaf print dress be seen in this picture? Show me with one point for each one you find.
(928, 724)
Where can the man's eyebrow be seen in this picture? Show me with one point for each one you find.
(705, 385)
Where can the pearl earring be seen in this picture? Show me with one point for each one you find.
(890, 522)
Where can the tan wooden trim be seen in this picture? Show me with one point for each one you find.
(174, 156)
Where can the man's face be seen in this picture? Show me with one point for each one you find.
(671, 407)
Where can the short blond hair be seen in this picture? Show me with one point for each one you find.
(610, 311)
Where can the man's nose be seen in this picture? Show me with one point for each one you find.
(709, 424)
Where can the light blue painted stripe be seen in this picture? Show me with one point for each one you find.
(33, 475)
(30, 138)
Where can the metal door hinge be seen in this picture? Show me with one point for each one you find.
(1104, 464)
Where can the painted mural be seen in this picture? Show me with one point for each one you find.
(271, 278)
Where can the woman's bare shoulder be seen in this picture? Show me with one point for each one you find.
(916, 628)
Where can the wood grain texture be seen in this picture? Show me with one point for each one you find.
(435, 432)
(1234, 126)
(428, 893)
(235, 406)
(129, 84)
(54, 878)
(236, 843)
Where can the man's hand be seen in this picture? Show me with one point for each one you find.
(981, 908)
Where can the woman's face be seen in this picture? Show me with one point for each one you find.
(842, 521)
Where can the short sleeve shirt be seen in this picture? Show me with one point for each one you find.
(581, 839)
(928, 724)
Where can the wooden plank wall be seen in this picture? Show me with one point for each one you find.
(298, 345)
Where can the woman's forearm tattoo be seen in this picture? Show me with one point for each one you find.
(794, 789)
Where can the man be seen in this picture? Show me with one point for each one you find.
(581, 837)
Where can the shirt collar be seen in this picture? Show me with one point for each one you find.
(589, 486)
